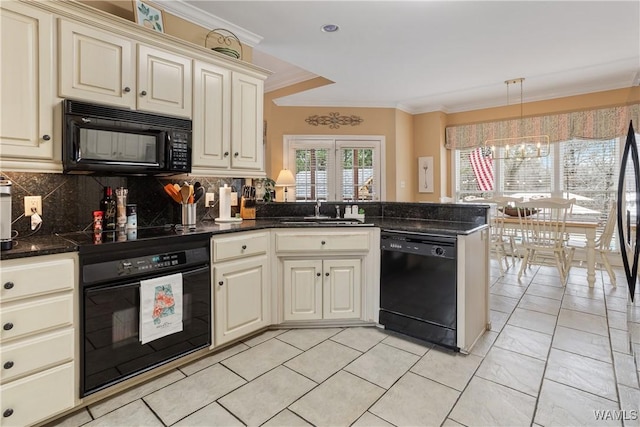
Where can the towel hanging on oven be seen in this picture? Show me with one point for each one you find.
(160, 307)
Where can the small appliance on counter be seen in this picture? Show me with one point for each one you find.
(5, 214)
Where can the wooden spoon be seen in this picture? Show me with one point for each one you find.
(185, 192)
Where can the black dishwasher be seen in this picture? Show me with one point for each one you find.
(418, 286)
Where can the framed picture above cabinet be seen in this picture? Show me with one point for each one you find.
(148, 16)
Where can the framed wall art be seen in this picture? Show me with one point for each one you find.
(425, 174)
(148, 16)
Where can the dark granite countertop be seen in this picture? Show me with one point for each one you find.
(70, 242)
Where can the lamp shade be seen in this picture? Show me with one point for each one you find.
(285, 179)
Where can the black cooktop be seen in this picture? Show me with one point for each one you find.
(84, 238)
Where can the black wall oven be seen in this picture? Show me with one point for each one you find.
(418, 286)
(111, 276)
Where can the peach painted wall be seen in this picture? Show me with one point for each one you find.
(405, 176)
(291, 121)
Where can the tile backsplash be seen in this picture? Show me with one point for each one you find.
(69, 200)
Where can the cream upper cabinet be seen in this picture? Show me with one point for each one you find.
(164, 82)
(96, 65)
(26, 88)
(246, 124)
(103, 67)
(227, 122)
(211, 116)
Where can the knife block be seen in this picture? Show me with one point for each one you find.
(245, 211)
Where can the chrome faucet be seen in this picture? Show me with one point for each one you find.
(318, 202)
(337, 211)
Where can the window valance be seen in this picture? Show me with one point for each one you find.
(606, 123)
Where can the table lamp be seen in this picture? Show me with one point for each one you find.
(285, 179)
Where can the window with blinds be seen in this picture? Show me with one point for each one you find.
(585, 170)
(335, 169)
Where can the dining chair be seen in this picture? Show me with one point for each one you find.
(542, 227)
(501, 237)
(603, 242)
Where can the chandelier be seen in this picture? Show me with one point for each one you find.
(520, 147)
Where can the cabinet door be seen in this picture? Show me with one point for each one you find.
(164, 82)
(26, 87)
(211, 116)
(96, 66)
(342, 288)
(302, 289)
(242, 298)
(246, 122)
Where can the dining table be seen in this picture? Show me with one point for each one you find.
(575, 224)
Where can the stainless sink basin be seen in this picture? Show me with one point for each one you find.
(325, 221)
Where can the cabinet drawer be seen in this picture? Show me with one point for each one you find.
(27, 278)
(34, 354)
(36, 315)
(321, 242)
(37, 396)
(240, 246)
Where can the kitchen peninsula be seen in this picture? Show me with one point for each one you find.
(252, 264)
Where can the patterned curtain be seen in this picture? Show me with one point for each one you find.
(606, 123)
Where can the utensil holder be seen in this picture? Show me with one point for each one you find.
(189, 216)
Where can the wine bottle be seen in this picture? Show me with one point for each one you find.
(108, 207)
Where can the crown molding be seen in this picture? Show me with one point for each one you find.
(207, 20)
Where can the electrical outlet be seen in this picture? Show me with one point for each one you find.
(209, 198)
(32, 204)
(234, 199)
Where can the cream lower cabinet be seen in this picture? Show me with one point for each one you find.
(37, 339)
(241, 289)
(322, 289)
(26, 90)
(320, 273)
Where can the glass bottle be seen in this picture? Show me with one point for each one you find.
(108, 207)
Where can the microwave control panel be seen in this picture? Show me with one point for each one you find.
(180, 151)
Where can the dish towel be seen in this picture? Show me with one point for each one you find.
(160, 307)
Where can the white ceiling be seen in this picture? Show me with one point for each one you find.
(423, 56)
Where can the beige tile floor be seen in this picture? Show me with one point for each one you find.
(554, 355)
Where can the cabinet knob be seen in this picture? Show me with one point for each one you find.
(323, 243)
(8, 285)
(226, 154)
(127, 89)
(8, 365)
(318, 274)
(236, 154)
(326, 274)
(7, 413)
(8, 326)
(143, 93)
(244, 247)
(46, 137)
(221, 283)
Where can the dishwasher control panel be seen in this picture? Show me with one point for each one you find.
(441, 247)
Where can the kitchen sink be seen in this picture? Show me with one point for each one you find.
(314, 221)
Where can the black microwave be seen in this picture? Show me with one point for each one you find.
(108, 140)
